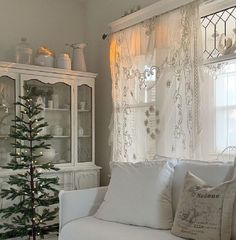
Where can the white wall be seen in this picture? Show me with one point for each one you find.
(98, 14)
(44, 22)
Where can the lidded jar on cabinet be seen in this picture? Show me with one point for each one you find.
(63, 61)
(23, 52)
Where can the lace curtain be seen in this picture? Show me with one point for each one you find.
(154, 67)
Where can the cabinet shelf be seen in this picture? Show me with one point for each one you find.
(84, 136)
(3, 110)
(57, 109)
(84, 110)
(60, 136)
(4, 136)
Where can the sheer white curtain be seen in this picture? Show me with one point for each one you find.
(155, 76)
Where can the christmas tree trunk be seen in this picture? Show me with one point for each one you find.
(30, 191)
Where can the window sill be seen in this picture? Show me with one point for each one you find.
(224, 58)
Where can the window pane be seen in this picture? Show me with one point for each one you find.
(232, 89)
(56, 103)
(232, 128)
(221, 130)
(225, 128)
(221, 91)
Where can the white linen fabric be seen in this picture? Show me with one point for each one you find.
(214, 173)
(154, 67)
(139, 194)
(205, 212)
(90, 228)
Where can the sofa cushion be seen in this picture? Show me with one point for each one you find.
(205, 212)
(90, 228)
(214, 173)
(140, 194)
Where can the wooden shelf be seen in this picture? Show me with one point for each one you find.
(10, 110)
(57, 109)
(84, 110)
(4, 136)
(61, 136)
(61, 72)
(84, 136)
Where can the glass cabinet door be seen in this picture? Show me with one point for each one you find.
(84, 123)
(56, 103)
(7, 114)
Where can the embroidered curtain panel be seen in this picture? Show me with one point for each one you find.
(155, 78)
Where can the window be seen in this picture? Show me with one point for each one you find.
(218, 29)
(219, 45)
(225, 108)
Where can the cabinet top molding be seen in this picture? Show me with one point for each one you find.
(18, 66)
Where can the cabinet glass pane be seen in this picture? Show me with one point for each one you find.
(56, 102)
(84, 123)
(7, 114)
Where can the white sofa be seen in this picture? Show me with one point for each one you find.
(77, 208)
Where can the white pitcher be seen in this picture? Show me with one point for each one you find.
(78, 61)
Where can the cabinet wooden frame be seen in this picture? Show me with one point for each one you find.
(22, 73)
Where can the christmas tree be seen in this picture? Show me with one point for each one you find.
(30, 191)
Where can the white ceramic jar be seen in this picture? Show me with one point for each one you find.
(44, 57)
(63, 61)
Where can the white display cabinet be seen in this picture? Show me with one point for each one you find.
(68, 102)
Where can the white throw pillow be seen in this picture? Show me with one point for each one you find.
(140, 194)
(205, 212)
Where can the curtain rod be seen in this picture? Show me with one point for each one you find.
(153, 10)
(163, 6)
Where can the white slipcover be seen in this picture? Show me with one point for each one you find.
(75, 206)
(91, 228)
